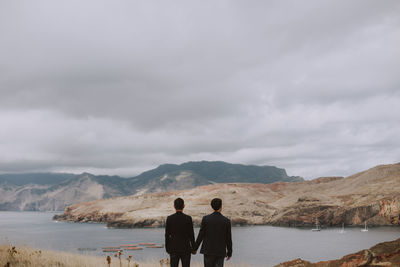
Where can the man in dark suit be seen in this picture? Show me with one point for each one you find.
(179, 235)
(215, 233)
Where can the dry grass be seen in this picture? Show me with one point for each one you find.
(26, 256)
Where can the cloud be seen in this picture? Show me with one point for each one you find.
(119, 87)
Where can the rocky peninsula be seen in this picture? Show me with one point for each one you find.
(371, 196)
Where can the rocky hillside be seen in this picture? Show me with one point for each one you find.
(382, 254)
(47, 191)
(372, 196)
(56, 196)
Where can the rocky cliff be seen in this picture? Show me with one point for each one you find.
(371, 196)
(383, 254)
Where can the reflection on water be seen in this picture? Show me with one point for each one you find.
(257, 245)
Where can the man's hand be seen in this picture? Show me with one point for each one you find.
(228, 258)
(194, 252)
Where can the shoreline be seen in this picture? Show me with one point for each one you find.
(154, 223)
(304, 226)
(382, 254)
(27, 256)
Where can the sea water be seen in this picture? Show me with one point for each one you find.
(254, 245)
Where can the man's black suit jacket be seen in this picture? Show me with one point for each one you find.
(179, 234)
(215, 233)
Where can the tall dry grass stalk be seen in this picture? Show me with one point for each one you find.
(25, 256)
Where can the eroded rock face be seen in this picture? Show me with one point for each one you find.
(372, 196)
(383, 254)
(390, 209)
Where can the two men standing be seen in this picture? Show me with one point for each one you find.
(215, 234)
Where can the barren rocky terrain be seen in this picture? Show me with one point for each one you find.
(382, 254)
(372, 195)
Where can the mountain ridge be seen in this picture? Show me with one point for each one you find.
(67, 189)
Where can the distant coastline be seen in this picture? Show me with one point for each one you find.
(369, 197)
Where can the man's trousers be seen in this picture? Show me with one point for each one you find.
(184, 257)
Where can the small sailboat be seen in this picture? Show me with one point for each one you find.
(317, 226)
(342, 231)
(365, 227)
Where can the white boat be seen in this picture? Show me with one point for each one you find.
(317, 226)
(365, 227)
(342, 231)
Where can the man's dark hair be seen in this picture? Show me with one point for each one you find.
(179, 203)
(216, 203)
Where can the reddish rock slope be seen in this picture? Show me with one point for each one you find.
(383, 254)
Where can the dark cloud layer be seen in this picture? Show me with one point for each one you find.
(118, 87)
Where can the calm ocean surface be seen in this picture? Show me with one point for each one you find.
(256, 245)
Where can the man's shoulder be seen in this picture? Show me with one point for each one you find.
(226, 219)
(179, 215)
(220, 217)
(212, 216)
(208, 216)
(187, 216)
(173, 215)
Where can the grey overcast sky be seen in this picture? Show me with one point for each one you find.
(119, 87)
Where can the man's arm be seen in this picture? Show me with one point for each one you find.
(167, 234)
(191, 234)
(229, 240)
(201, 234)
